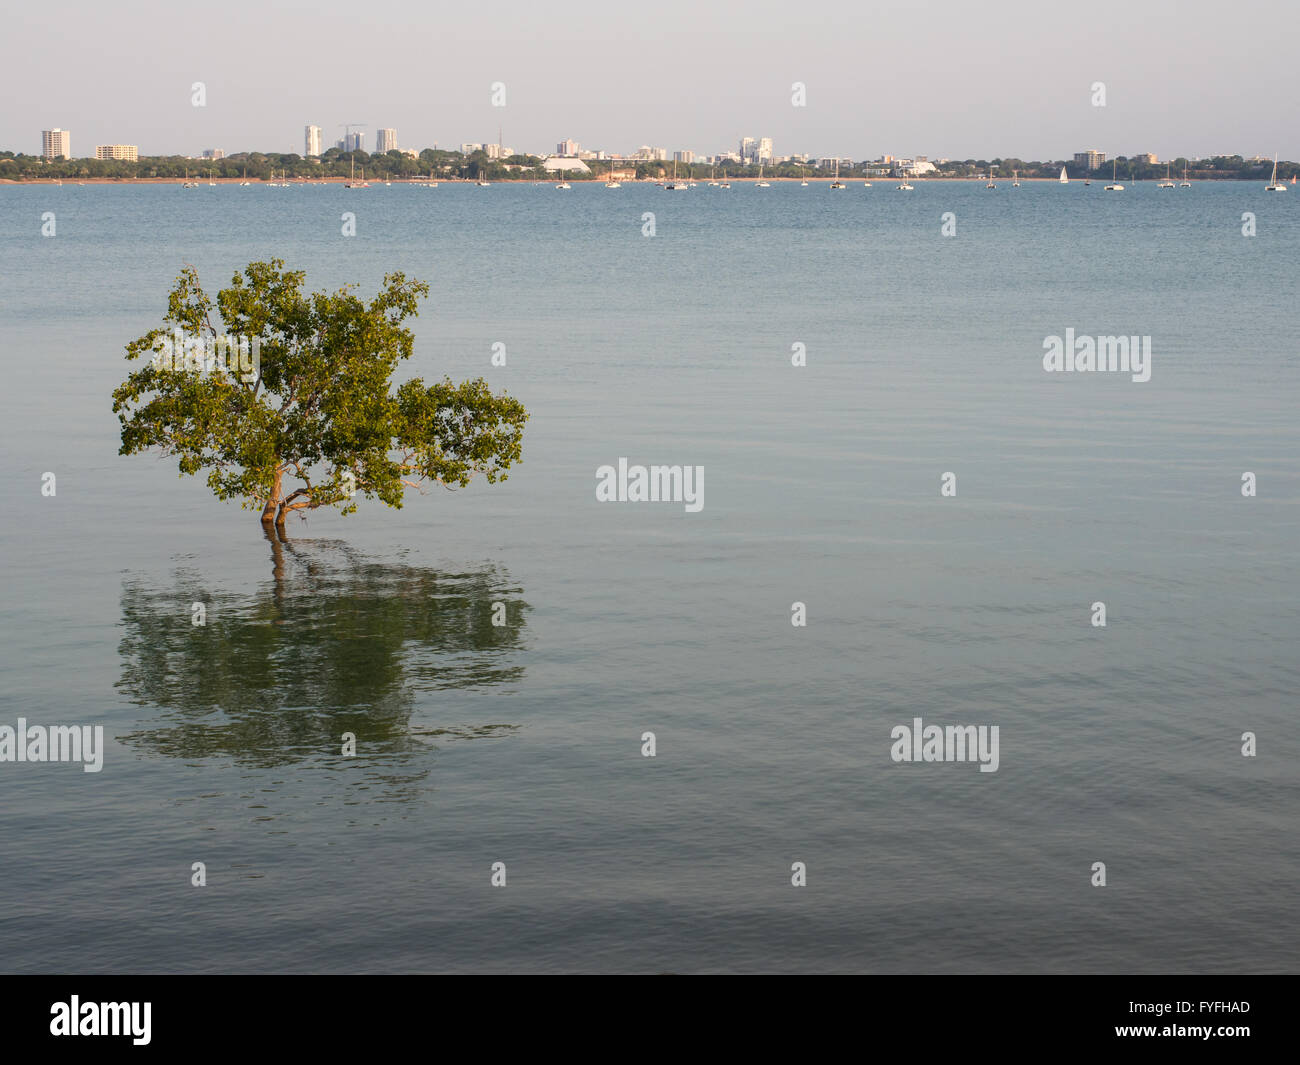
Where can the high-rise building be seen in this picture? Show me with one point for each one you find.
(127, 153)
(470, 149)
(311, 135)
(748, 149)
(385, 141)
(1148, 157)
(568, 149)
(1089, 160)
(351, 142)
(212, 153)
(683, 157)
(498, 151)
(56, 144)
(764, 149)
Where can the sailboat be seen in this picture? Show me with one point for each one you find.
(803, 175)
(1114, 185)
(211, 184)
(352, 182)
(904, 187)
(563, 184)
(1015, 179)
(1063, 179)
(1185, 184)
(1272, 185)
(725, 183)
(244, 182)
(188, 183)
(612, 183)
(675, 185)
(761, 184)
(1168, 182)
(713, 181)
(990, 184)
(837, 183)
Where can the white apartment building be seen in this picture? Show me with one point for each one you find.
(56, 144)
(127, 153)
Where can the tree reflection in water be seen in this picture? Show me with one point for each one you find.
(334, 644)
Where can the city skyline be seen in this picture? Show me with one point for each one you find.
(1022, 86)
(749, 151)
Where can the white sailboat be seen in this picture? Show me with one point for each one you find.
(1168, 182)
(352, 182)
(1272, 185)
(990, 184)
(1063, 179)
(675, 185)
(613, 183)
(837, 183)
(761, 184)
(1114, 185)
(1184, 184)
(1015, 179)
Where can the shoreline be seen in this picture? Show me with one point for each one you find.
(702, 182)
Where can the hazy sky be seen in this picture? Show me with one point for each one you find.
(957, 79)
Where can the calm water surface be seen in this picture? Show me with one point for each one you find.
(521, 743)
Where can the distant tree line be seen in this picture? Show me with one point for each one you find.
(262, 166)
(449, 165)
(1220, 167)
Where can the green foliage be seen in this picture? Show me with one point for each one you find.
(320, 410)
(449, 165)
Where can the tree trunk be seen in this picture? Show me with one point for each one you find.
(272, 512)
